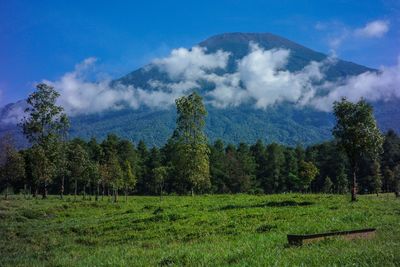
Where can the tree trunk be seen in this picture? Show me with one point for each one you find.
(6, 195)
(84, 192)
(126, 195)
(76, 188)
(97, 191)
(115, 195)
(160, 193)
(45, 191)
(90, 190)
(192, 192)
(354, 186)
(62, 187)
(25, 191)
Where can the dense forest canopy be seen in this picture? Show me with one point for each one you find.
(187, 163)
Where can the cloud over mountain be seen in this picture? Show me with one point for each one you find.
(260, 79)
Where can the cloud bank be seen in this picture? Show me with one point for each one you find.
(260, 79)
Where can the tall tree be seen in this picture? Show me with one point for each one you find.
(160, 174)
(357, 134)
(260, 157)
(45, 125)
(275, 164)
(116, 175)
(129, 178)
(218, 171)
(78, 166)
(192, 159)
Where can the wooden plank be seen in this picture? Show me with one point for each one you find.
(299, 240)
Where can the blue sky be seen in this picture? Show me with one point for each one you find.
(44, 39)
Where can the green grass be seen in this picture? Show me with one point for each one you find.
(241, 230)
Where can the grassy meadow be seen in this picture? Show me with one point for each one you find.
(209, 230)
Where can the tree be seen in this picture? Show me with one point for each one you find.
(45, 126)
(114, 175)
(12, 164)
(129, 179)
(153, 161)
(260, 157)
(274, 169)
(376, 177)
(142, 171)
(42, 169)
(357, 134)
(396, 174)
(218, 170)
(307, 173)
(192, 159)
(328, 185)
(94, 176)
(342, 181)
(291, 170)
(78, 166)
(245, 175)
(64, 125)
(390, 158)
(160, 174)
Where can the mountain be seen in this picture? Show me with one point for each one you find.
(283, 123)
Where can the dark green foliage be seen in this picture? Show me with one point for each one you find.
(327, 185)
(233, 169)
(187, 162)
(191, 161)
(12, 164)
(46, 126)
(357, 134)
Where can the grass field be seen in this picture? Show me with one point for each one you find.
(241, 230)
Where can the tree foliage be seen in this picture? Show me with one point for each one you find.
(192, 153)
(357, 133)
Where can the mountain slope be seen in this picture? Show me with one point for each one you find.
(283, 123)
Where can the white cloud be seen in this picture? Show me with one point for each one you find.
(191, 64)
(81, 96)
(339, 34)
(373, 86)
(263, 75)
(265, 82)
(374, 29)
(186, 67)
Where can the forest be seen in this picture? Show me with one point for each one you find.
(187, 163)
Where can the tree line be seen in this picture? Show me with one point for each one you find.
(359, 159)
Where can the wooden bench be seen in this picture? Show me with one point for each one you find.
(299, 240)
